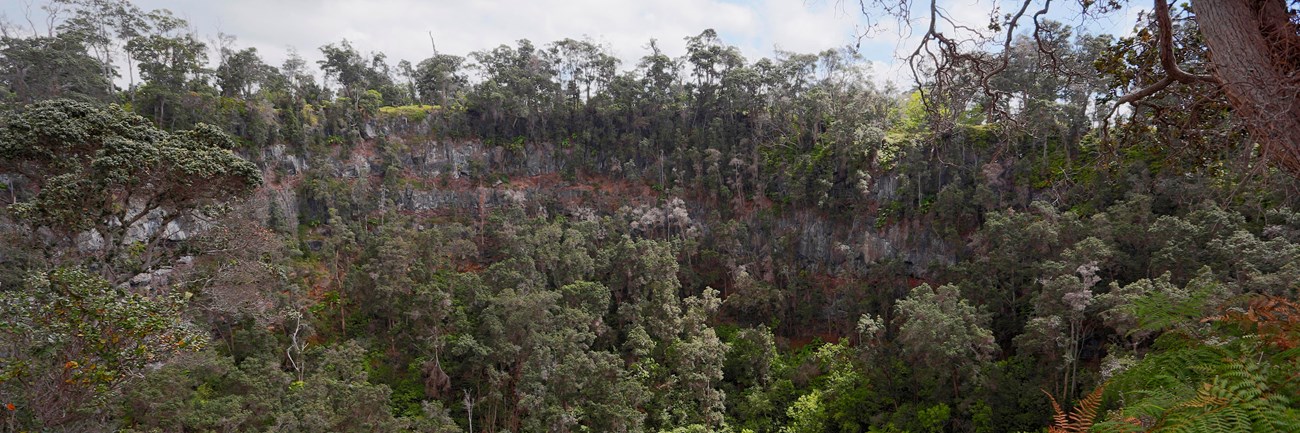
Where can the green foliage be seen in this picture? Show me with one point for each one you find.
(807, 415)
(104, 169)
(913, 115)
(39, 68)
(514, 303)
(210, 391)
(206, 390)
(939, 329)
(1217, 377)
(75, 340)
(934, 417)
(413, 113)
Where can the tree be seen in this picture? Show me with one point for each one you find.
(517, 85)
(109, 176)
(72, 341)
(439, 79)
(944, 333)
(170, 56)
(298, 82)
(344, 65)
(103, 25)
(354, 73)
(240, 72)
(209, 392)
(1063, 310)
(40, 68)
(338, 396)
(1052, 80)
(581, 66)
(1253, 53)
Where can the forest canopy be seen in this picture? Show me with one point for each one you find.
(1047, 230)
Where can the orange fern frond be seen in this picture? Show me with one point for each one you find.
(1079, 419)
(1058, 416)
(1086, 411)
(1275, 319)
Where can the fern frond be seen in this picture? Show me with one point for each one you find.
(1080, 418)
(1086, 411)
(1275, 319)
(1059, 418)
(1241, 375)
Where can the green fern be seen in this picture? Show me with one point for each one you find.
(1238, 374)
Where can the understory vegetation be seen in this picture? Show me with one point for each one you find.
(539, 238)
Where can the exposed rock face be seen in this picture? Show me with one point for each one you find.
(403, 167)
(459, 159)
(90, 241)
(290, 163)
(451, 159)
(159, 280)
(156, 222)
(172, 229)
(465, 177)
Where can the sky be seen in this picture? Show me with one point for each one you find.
(402, 29)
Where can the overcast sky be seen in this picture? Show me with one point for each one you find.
(401, 28)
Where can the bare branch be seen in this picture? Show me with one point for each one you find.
(1168, 62)
(1166, 44)
(1143, 93)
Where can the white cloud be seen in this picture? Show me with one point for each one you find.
(401, 28)
(797, 26)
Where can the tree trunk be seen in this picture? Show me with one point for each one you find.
(1255, 53)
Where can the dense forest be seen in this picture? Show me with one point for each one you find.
(1095, 235)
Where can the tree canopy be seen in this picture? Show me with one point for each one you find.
(101, 170)
(537, 236)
